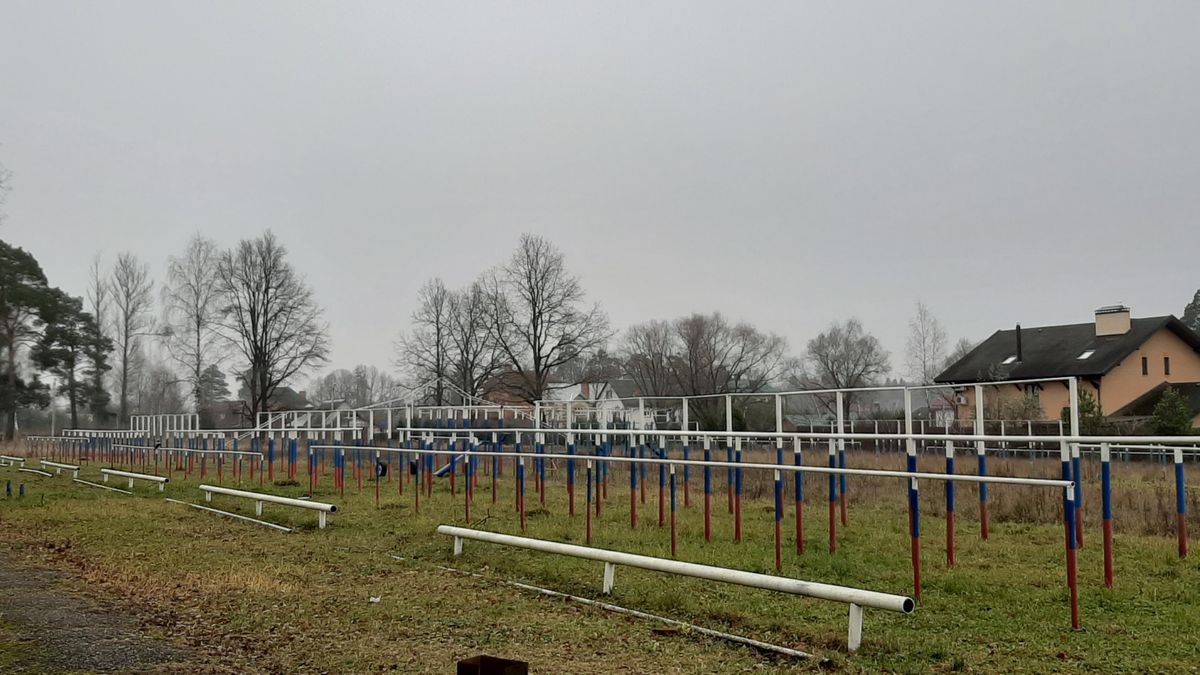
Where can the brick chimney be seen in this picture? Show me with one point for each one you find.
(1112, 320)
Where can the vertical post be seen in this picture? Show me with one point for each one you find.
(516, 478)
(1106, 498)
(778, 519)
(521, 489)
(588, 506)
(799, 497)
(832, 496)
(687, 497)
(1073, 391)
(1069, 524)
(950, 504)
(914, 506)
(841, 445)
(633, 482)
(707, 489)
(729, 451)
(673, 538)
(737, 499)
(854, 639)
(1180, 504)
(910, 445)
(570, 469)
(981, 453)
(663, 482)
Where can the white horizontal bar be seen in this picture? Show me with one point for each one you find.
(882, 473)
(888, 601)
(58, 465)
(37, 471)
(194, 451)
(274, 499)
(141, 476)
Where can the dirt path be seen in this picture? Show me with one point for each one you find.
(44, 628)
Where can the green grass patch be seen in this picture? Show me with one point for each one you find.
(299, 602)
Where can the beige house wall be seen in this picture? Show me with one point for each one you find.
(1125, 382)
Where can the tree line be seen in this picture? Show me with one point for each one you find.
(126, 346)
(526, 328)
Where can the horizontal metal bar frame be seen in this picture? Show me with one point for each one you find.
(37, 471)
(811, 589)
(274, 499)
(59, 465)
(881, 473)
(785, 435)
(139, 476)
(191, 450)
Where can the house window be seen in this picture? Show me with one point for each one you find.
(1166, 365)
(1145, 365)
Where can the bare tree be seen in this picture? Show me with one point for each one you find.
(373, 385)
(363, 386)
(926, 350)
(475, 356)
(158, 389)
(704, 354)
(98, 297)
(960, 350)
(269, 318)
(191, 307)
(649, 351)
(717, 357)
(130, 287)
(5, 186)
(844, 357)
(538, 317)
(332, 388)
(424, 353)
(926, 346)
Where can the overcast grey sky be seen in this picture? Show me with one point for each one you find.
(788, 163)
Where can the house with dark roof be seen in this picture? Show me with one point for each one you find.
(1116, 358)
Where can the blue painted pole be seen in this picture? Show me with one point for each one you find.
(707, 490)
(1180, 503)
(950, 505)
(1077, 468)
(832, 499)
(1106, 499)
(799, 500)
(981, 453)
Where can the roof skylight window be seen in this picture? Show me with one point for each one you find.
(1086, 354)
(1009, 360)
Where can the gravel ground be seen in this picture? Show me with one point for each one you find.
(48, 629)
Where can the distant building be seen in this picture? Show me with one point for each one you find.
(1117, 359)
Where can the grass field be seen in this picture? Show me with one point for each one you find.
(246, 598)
